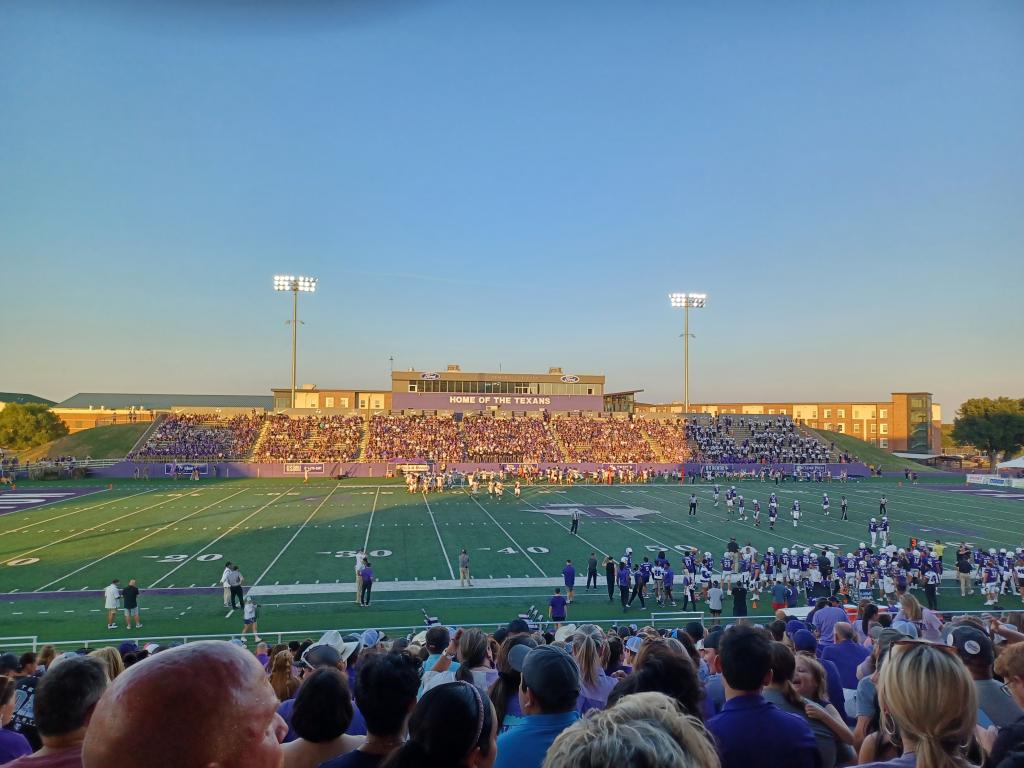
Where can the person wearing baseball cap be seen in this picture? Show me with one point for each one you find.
(548, 696)
(974, 648)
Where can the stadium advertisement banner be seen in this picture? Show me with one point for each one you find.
(996, 480)
(186, 469)
(445, 401)
(810, 469)
(301, 469)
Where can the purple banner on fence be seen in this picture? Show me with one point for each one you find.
(445, 401)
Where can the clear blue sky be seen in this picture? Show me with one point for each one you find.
(514, 183)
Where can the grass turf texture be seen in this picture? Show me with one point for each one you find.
(285, 533)
(872, 455)
(111, 442)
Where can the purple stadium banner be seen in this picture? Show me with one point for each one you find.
(445, 401)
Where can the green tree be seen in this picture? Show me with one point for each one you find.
(28, 425)
(994, 426)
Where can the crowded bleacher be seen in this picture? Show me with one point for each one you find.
(202, 436)
(394, 437)
(488, 439)
(603, 440)
(311, 438)
(817, 692)
(757, 440)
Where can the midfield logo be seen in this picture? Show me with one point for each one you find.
(606, 511)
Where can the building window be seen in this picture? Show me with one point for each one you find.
(917, 402)
(828, 413)
(378, 403)
(343, 402)
(872, 428)
(841, 413)
(841, 429)
(328, 402)
(883, 443)
(883, 413)
(412, 386)
(883, 428)
(362, 402)
(828, 425)
(856, 426)
(590, 390)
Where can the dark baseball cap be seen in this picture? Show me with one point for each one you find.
(713, 639)
(9, 663)
(518, 626)
(972, 644)
(546, 668)
(804, 640)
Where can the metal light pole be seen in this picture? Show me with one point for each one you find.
(294, 284)
(687, 300)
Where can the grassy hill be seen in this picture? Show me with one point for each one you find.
(111, 442)
(870, 454)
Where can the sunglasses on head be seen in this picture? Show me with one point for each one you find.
(910, 642)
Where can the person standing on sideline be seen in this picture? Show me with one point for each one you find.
(557, 608)
(131, 605)
(250, 616)
(111, 596)
(592, 570)
(224, 583)
(464, 575)
(575, 527)
(843, 505)
(360, 564)
(569, 575)
(609, 576)
(235, 581)
(693, 505)
(366, 579)
(624, 584)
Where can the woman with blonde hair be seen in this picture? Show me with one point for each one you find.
(926, 621)
(46, 656)
(929, 705)
(282, 675)
(590, 651)
(641, 729)
(111, 661)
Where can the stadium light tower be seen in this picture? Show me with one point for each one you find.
(687, 300)
(295, 285)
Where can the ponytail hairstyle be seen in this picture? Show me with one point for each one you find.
(473, 647)
(507, 684)
(783, 667)
(927, 695)
(590, 651)
(614, 656)
(447, 725)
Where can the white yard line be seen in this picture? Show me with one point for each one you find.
(229, 530)
(93, 528)
(136, 541)
(444, 552)
(73, 512)
(295, 536)
(366, 541)
(501, 528)
(565, 527)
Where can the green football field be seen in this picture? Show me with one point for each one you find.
(295, 544)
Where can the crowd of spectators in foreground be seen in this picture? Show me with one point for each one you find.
(809, 693)
(197, 436)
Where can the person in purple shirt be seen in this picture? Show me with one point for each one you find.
(367, 582)
(825, 620)
(846, 653)
(556, 607)
(12, 744)
(569, 575)
(749, 730)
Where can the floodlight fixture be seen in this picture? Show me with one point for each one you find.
(295, 285)
(685, 301)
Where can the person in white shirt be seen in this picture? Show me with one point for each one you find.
(360, 565)
(111, 595)
(224, 583)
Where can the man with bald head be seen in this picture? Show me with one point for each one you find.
(207, 705)
(846, 653)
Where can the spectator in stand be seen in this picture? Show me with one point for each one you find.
(452, 726)
(846, 653)
(111, 660)
(745, 661)
(975, 649)
(1000, 742)
(12, 744)
(661, 668)
(473, 650)
(64, 704)
(386, 687)
(282, 676)
(504, 692)
(548, 696)
(927, 699)
(588, 648)
(645, 729)
(200, 704)
(322, 713)
(825, 620)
